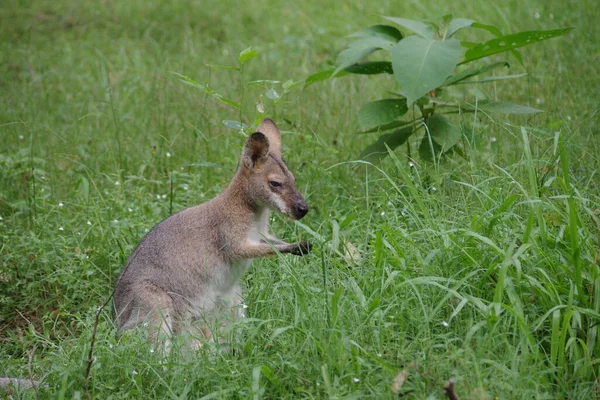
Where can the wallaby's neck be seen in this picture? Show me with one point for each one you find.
(236, 195)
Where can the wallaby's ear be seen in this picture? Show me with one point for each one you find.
(256, 150)
(271, 131)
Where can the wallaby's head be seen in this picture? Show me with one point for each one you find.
(269, 182)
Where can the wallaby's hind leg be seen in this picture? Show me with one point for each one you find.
(152, 307)
(235, 303)
(210, 327)
(232, 309)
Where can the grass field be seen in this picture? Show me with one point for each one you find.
(483, 268)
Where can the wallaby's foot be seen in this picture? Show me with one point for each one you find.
(303, 249)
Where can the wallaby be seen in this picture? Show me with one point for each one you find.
(186, 271)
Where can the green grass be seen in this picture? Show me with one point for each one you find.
(483, 269)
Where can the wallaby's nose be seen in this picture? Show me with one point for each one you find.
(302, 209)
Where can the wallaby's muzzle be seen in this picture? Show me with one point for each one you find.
(300, 209)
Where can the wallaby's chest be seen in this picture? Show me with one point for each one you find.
(225, 282)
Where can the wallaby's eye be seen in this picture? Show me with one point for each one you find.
(275, 184)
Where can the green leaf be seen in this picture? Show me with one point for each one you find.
(472, 72)
(421, 65)
(207, 90)
(387, 127)
(510, 42)
(235, 125)
(270, 375)
(420, 28)
(247, 55)
(502, 107)
(443, 131)
(375, 152)
(490, 28)
(496, 32)
(426, 151)
(233, 103)
(272, 94)
(363, 68)
(518, 56)
(360, 49)
(381, 31)
(457, 24)
(370, 68)
(381, 112)
(189, 81)
(323, 75)
(446, 19)
(497, 78)
(289, 84)
(83, 187)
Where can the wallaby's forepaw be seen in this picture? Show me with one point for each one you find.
(302, 249)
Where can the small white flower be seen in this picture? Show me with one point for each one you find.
(445, 324)
(151, 350)
(244, 306)
(1, 218)
(117, 183)
(130, 210)
(21, 137)
(382, 213)
(158, 196)
(78, 233)
(116, 221)
(355, 380)
(110, 346)
(61, 228)
(146, 230)
(378, 354)
(60, 204)
(164, 196)
(538, 101)
(434, 188)
(168, 154)
(537, 15)
(569, 117)
(493, 139)
(411, 164)
(134, 372)
(89, 223)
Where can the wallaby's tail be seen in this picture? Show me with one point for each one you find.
(19, 383)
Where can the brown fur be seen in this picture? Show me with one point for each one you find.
(185, 272)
